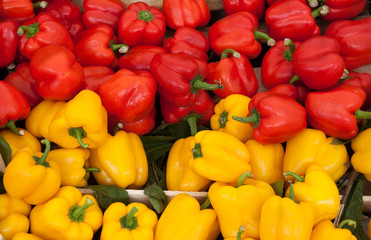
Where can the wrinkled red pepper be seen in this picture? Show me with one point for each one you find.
(107, 12)
(336, 111)
(354, 37)
(57, 74)
(235, 73)
(340, 10)
(186, 13)
(142, 24)
(257, 7)
(239, 32)
(19, 10)
(189, 41)
(94, 76)
(275, 117)
(43, 30)
(8, 42)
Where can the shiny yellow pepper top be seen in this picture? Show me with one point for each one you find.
(325, 230)
(26, 236)
(361, 158)
(18, 142)
(241, 230)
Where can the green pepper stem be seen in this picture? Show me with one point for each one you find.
(13, 128)
(321, 11)
(348, 222)
(241, 230)
(145, 15)
(294, 175)
(29, 30)
(117, 128)
(129, 221)
(42, 159)
(197, 83)
(79, 134)
(206, 204)
(192, 119)
(11, 67)
(122, 48)
(362, 114)
(41, 4)
(92, 169)
(196, 150)
(294, 79)
(228, 51)
(242, 178)
(260, 35)
(287, 54)
(254, 118)
(345, 74)
(291, 192)
(223, 119)
(77, 213)
(312, 3)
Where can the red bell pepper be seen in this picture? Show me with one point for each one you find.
(257, 7)
(317, 62)
(340, 10)
(57, 74)
(97, 46)
(22, 80)
(293, 19)
(107, 12)
(189, 41)
(94, 76)
(13, 107)
(68, 12)
(354, 37)
(275, 117)
(336, 111)
(8, 42)
(297, 92)
(239, 32)
(142, 24)
(19, 10)
(129, 95)
(43, 30)
(139, 58)
(235, 73)
(186, 13)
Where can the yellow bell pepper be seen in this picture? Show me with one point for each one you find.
(239, 235)
(325, 230)
(369, 229)
(234, 104)
(13, 216)
(121, 160)
(18, 142)
(26, 236)
(82, 121)
(40, 117)
(361, 158)
(183, 219)
(67, 216)
(219, 156)
(239, 205)
(318, 188)
(179, 175)
(34, 180)
(312, 146)
(133, 222)
(266, 160)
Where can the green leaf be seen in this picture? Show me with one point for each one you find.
(176, 130)
(156, 146)
(108, 194)
(5, 151)
(278, 187)
(157, 197)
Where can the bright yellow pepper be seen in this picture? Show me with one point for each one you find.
(219, 156)
(361, 158)
(239, 235)
(239, 205)
(133, 222)
(266, 161)
(234, 104)
(26, 236)
(183, 219)
(18, 142)
(312, 146)
(13, 216)
(67, 216)
(325, 230)
(122, 161)
(179, 174)
(82, 121)
(369, 229)
(30, 179)
(318, 188)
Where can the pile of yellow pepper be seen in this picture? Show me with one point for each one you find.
(42, 199)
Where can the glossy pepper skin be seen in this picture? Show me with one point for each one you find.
(94, 76)
(239, 32)
(316, 148)
(183, 219)
(18, 142)
(82, 121)
(9, 42)
(142, 24)
(326, 230)
(343, 10)
(134, 221)
(353, 37)
(255, 7)
(221, 120)
(360, 158)
(186, 13)
(297, 92)
(275, 117)
(108, 157)
(26, 236)
(68, 215)
(219, 156)
(13, 216)
(235, 73)
(19, 11)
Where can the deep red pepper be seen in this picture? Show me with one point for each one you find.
(94, 76)
(19, 10)
(57, 74)
(43, 30)
(340, 9)
(186, 13)
(235, 73)
(336, 111)
(297, 92)
(97, 46)
(22, 80)
(106, 12)
(257, 7)
(142, 24)
(8, 42)
(129, 95)
(239, 32)
(275, 117)
(354, 37)
(189, 41)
